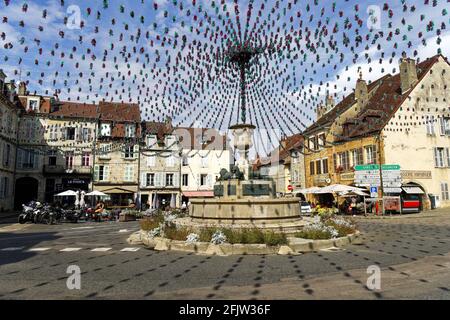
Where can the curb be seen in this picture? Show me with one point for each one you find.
(295, 246)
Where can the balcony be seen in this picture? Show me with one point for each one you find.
(61, 169)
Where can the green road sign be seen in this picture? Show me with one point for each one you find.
(367, 167)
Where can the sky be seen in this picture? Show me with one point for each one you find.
(169, 55)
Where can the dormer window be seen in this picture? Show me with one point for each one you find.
(151, 140)
(130, 130)
(170, 141)
(33, 104)
(105, 130)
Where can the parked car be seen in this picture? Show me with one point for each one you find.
(305, 208)
(411, 203)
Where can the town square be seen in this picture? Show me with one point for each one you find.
(224, 150)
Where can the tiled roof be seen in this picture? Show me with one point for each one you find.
(385, 102)
(282, 152)
(119, 112)
(211, 134)
(75, 110)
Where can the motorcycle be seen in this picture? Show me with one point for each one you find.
(26, 215)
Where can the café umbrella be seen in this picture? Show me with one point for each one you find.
(68, 193)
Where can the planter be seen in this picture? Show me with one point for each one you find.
(123, 217)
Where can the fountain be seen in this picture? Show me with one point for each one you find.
(242, 201)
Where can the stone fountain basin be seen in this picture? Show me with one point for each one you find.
(280, 215)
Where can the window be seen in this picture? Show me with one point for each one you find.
(185, 161)
(70, 133)
(129, 173)
(441, 155)
(86, 159)
(130, 130)
(129, 152)
(325, 166)
(150, 180)
(86, 134)
(444, 191)
(185, 179)
(4, 187)
(29, 129)
(344, 160)
(430, 125)
(33, 104)
(203, 180)
(314, 143)
(357, 157)
(28, 159)
(101, 173)
(6, 155)
(105, 151)
(322, 140)
(204, 161)
(52, 157)
(169, 179)
(170, 141)
(151, 141)
(371, 155)
(69, 160)
(444, 125)
(311, 168)
(318, 166)
(105, 130)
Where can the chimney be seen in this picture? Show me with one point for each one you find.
(320, 111)
(361, 92)
(408, 73)
(11, 90)
(329, 103)
(22, 88)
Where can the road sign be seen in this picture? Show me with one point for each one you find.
(369, 175)
(373, 192)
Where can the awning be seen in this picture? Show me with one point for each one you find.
(413, 190)
(117, 191)
(393, 190)
(198, 194)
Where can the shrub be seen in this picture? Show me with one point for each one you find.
(174, 233)
(218, 237)
(317, 231)
(152, 222)
(275, 239)
(343, 226)
(206, 234)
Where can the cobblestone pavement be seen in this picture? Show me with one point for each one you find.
(413, 253)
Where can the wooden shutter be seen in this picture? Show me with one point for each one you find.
(447, 151)
(143, 180)
(176, 180)
(136, 151)
(96, 172)
(106, 173)
(436, 157)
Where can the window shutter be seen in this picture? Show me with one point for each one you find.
(436, 161)
(5, 156)
(106, 173)
(442, 126)
(209, 181)
(176, 180)
(143, 179)
(96, 173)
(1, 188)
(20, 158)
(35, 159)
(136, 151)
(158, 179)
(199, 180)
(123, 151)
(447, 150)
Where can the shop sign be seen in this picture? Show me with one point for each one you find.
(413, 174)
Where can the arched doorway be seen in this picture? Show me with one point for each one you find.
(26, 190)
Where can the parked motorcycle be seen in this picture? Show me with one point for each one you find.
(27, 214)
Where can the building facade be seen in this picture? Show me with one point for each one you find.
(402, 119)
(9, 115)
(159, 166)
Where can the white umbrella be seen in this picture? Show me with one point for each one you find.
(154, 203)
(355, 192)
(96, 193)
(68, 193)
(309, 190)
(337, 188)
(82, 202)
(77, 200)
(173, 201)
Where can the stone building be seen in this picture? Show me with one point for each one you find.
(285, 165)
(204, 152)
(9, 115)
(401, 119)
(116, 160)
(159, 166)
